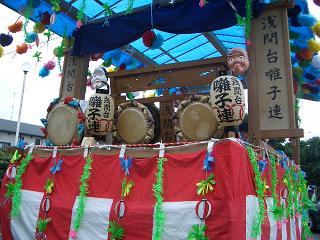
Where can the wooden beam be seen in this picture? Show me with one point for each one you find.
(215, 41)
(170, 55)
(282, 133)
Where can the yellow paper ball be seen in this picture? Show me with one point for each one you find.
(111, 69)
(316, 29)
(313, 45)
(1, 51)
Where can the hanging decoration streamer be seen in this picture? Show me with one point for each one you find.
(260, 189)
(82, 196)
(158, 191)
(115, 230)
(27, 16)
(55, 5)
(129, 7)
(277, 210)
(198, 232)
(246, 21)
(16, 196)
(80, 14)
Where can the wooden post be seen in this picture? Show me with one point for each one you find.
(166, 123)
(74, 76)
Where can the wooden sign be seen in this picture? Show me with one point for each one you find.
(74, 76)
(273, 70)
(270, 84)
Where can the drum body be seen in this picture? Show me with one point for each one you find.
(136, 123)
(64, 124)
(227, 100)
(99, 114)
(195, 120)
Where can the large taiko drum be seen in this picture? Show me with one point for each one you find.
(136, 123)
(227, 100)
(64, 124)
(99, 114)
(195, 120)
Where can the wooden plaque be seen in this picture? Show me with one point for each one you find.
(74, 76)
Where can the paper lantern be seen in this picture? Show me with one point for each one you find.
(99, 114)
(227, 100)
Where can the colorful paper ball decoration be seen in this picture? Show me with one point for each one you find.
(50, 65)
(148, 38)
(1, 51)
(31, 37)
(317, 2)
(44, 72)
(306, 20)
(316, 29)
(313, 46)
(45, 19)
(16, 27)
(316, 61)
(305, 54)
(158, 41)
(22, 48)
(58, 52)
(5, 39)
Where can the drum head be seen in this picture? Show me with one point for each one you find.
(62, 123)
(196, 120)
(131, 126)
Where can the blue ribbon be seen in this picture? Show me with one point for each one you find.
(56, 167)
(262, 165)
(80, 129)
(73, 104)
(20, 144)
(208, 160)
(126, 164)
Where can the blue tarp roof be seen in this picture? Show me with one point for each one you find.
(176, 47)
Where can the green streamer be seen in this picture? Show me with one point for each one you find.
(115, 230)
(108, 11)
(288, 181)
(80, 14)
(158, 191)
(55, 5)
(27, 16)
(306, 204)
(42, 224)
(277, 210)
(246, 21)
(129, 7)
(198, 232)
(16, 196)
(260, 188)
(83, 193)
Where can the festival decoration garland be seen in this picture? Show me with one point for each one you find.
(27, 16)
(260, 189)
(158, 191)
(16, 195)
(288, 181)
(115, 230)
(129, 7)
(55, 5)
(206, 186)
(82, 196)
(277, 210)
(198, 232)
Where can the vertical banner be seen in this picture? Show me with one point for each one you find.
(74, 76)
(272, 69)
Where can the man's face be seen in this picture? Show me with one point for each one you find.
(99, 78)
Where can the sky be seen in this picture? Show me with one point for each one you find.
(39, 92)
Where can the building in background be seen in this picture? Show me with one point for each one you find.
(28, 132)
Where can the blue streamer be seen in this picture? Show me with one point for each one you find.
(126, 164)
(20, 144)
(262, 165)
(56, 167)
(207, 163)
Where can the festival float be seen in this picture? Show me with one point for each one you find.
(169, 164)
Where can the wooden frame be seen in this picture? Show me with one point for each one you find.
(192, 74)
